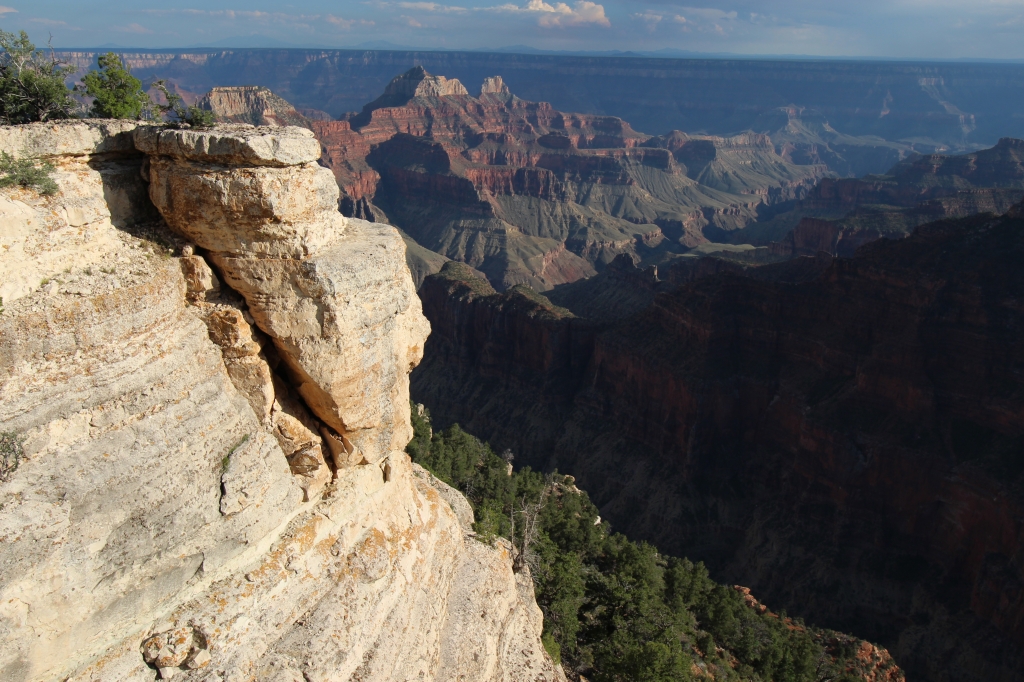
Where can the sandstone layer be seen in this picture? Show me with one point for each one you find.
(843, 436)
(531, 195)
(206, 367)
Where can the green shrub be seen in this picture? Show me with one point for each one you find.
(25, 173)
(11, 453)
(32, 84)
(117, 93)
(177, 114)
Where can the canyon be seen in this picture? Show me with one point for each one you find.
(204, 409)
(210, 340)
(922, 189)
(843, 435)
(530, 195)
(857, 116)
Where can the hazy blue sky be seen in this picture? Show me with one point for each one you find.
(879, 28)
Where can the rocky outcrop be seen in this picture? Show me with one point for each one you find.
(840, 214)
(530, 195)
(251, 104)
(845, 440)
(206, 368)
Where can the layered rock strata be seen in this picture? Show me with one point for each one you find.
(844, 437)
(531, 195)
(206, 368)
(253, 105)
(839, 215)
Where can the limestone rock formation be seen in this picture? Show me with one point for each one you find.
(189, 334)
(251, 104)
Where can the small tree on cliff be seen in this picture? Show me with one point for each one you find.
(117, 93)
(32, 84)
(177, 114)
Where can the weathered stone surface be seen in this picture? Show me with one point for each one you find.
(41, 237)
(251, 104)
(492, 617)
(240, 145)
(288, 212)
(199, 278)
(64, 139)
(174, 515)
(347, 323)
(132, 428)
(456, 500)
(243, 358)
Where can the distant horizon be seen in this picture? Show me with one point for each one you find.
(526, 50)
(900, 30)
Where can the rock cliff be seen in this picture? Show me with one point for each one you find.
(530, 195)
(840, 214)
(843, 436)
(204, 401)
(253, 105)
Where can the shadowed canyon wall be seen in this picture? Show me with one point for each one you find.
(845, 436)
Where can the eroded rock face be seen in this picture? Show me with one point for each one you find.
(531, 195)
(333, 294)
(846, 439)
(251, 104)
(175, 513)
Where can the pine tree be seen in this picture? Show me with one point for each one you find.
(117, 93)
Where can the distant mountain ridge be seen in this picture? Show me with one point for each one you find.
(840, 214)
(922, 106)
(531, 195)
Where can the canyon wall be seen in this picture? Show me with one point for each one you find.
(843, 436)
(204, 401)
(531, 195)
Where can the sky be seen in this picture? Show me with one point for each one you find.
(905, 29)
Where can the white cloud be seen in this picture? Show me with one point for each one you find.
(133, 28)
(560, 15)
(7, 10)
(431, 7)
(710, 14)
(651, 19)
(346, 24)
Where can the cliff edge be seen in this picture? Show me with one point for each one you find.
(204, 389)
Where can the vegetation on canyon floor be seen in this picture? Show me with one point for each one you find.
(614, 609)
